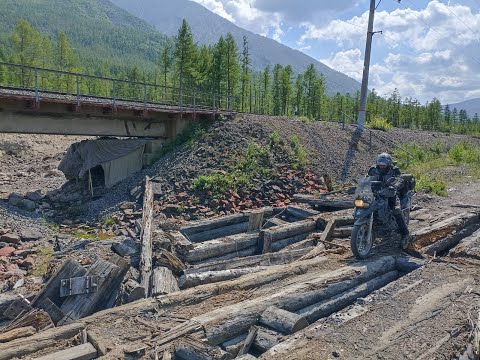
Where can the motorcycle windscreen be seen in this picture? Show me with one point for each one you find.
(364, 189)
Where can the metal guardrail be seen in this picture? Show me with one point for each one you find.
(90, 88)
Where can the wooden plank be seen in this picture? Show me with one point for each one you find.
(55, 313)
(280, 244)
(146, 237)
(283, 321)
(163, 282)
(81, 352)
(332, 204)
(252, 334)
(266, 339)
(209, 277)
(132, 291)
(109, 276)
(6, 300)
(267, 241)
(468, 247)
(255, 220)
(37, 342)
(282, 232)
(51, 290)
(16, 309)
(195, 227)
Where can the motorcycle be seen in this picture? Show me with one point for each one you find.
(374, 215)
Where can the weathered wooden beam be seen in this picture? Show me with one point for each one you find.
(6, 300)
(255, 220)
(17, 334)
(280, 244)
(290, 230)
(252, 334)
(163, 282)
(314, 312)
(468, 247)
(324, 237)
(283, 321)
(221, 246)
(37, 342)
(266, 339)
(109, 277)
(132, 291)
(209, 277)
(300, 213)
(80, 352)
(69, 269)
(146, 237)
(200, 226)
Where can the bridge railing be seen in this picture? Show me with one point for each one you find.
(80, 88)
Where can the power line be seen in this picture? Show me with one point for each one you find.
(442, 37)
(464, 23)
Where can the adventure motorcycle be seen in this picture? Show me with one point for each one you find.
(374, 213)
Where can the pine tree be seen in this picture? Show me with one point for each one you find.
(232, 68)
(245, 70)
(165, 62)
(185, 56)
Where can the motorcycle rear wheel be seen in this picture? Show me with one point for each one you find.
(360, 243)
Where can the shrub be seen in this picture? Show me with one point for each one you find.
(379, 123)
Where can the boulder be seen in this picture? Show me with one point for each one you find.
(15, 199)
(10, 238)
(35, 196)
(30, 234)
(6, 251)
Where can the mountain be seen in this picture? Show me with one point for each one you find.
(97, 29)
(207, 27)
(472, 106)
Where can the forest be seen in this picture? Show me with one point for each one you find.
(222, 69)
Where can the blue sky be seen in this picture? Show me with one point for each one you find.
(428, 48)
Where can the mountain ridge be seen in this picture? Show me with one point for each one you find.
(207, 27)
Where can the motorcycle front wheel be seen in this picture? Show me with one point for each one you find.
(360, 242)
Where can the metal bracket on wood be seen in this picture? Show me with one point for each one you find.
(78, 286)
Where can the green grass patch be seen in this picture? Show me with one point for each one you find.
(253, 163)
(379, 123)
(298, 155)
(434, 166)
(44, 257)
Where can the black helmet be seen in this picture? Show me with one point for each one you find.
(384, 159)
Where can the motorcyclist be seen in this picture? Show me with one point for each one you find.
(389, 175)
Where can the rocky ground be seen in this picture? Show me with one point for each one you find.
(45, 219)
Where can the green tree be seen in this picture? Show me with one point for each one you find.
(185, 56)
(232, 67)
(245, 70)
(165, 62)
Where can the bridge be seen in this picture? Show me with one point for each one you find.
(44, 101)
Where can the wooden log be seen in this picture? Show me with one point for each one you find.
(255, 220)
(221, 246)
(451, 240)
(69, 269)
(179, 241)
(188, 351)
(284, 257)
(468, 247)
(252, 334)
(430, 234)
(266, 339)
(230, 321)
(132, 291)
(467, 206)
(266, 242)
(93, 339)
(17, 333)
(279, 245)
(317, 311)
(80, 352)
(309, 243)
(219, 233)
(234, 345)
(163, 282)
(275, 221)
(146, 237)
(109, 278)
(300, 213)
(37, 342)
(16, 309)
(302, 198)
(283, 321)
(169, 260)
(406, 265)
(290, 230)
(342, 232)
(233, 255)
(196, 227)
(209, 277)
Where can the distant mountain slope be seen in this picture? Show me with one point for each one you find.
(207, 27)
(97, 29)
(472, 106)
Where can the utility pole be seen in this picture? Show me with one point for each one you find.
(366, 68)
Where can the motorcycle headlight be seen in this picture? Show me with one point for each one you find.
(361, 204)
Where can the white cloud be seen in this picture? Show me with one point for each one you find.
(216, 6)
(347, 62)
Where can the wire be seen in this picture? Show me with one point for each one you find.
(442, 37)
(448, 7)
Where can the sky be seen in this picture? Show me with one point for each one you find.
(427, 49)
